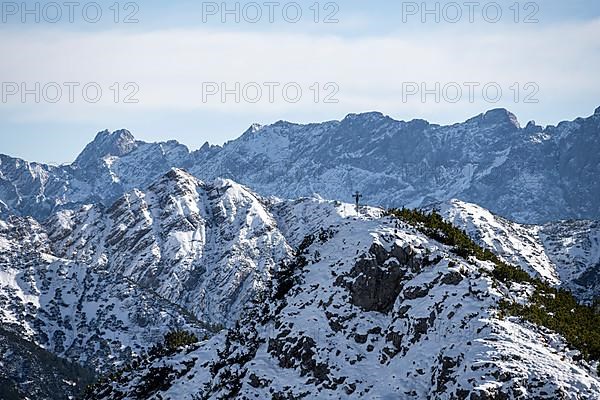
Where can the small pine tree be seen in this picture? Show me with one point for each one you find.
(179, 338)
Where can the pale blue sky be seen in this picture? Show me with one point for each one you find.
(371, 55)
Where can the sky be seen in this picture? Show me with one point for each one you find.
(205, 71)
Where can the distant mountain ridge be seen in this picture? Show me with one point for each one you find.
(528, 174)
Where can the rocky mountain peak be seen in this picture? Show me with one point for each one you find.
(255, 127)
(532, 127)
(501, 116)
(365, 117)
(176, 182)
(117, 143)
(179, 175)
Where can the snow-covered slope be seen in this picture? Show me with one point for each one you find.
(318, 302)
(100, 284)
(564, 252)
(204, 247)
(79, 311)
(529, 174)
(370, 308)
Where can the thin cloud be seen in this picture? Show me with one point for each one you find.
(170, 67)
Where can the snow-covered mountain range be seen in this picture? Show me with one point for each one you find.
(296, 296)
(375, 299)
(375, 309)
(529, 174)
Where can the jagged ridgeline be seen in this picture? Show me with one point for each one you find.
(555, 309)
(529, 174)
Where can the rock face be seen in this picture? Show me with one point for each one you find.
(531, 174)
(376, 279)
(433, 333)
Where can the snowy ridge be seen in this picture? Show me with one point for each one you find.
(205, 247)
(563, 253)
(368, 307)
(518, 244)
(378, 311)
(100, 284)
